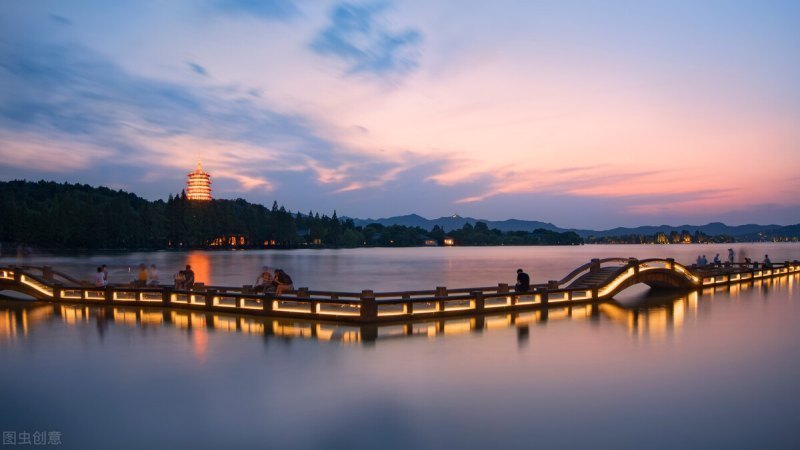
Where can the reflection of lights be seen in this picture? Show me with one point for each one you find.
(224, 323)
(200, 343)
(151, 317)
(280, 329)
(201, 266)
(678, 312)
(493, 323)
(452, 327)
(124, 317)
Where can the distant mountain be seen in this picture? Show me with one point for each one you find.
(712, 229)
(791, 231)
(456, 222)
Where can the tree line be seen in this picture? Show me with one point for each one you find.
(78, 216)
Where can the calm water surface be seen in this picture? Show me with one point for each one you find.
(719, 368)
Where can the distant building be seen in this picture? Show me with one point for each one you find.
(449, 242)
(198, 186)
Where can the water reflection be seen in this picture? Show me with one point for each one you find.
(649, 315)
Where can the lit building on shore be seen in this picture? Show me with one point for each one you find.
(198, 186)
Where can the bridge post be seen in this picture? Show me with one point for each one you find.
(671, 263)
(57, 291)
(502, 288)
(552, 284)
(633, 262)
(595, 267)
(480, 303)
(441, 291)
(409, 305)
(210, 293)
(369, 308)
(266, 303)
(166, 296)
(543, 295)
(303, 293)
(109, 294)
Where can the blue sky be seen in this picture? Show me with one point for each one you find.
(584, 114)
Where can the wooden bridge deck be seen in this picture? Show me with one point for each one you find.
(598, 280)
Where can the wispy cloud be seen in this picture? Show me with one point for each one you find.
(61, 20)
(197, 68)
(358, 35)
(64, 106)
(260, 9)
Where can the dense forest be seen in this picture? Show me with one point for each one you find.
(74, 216)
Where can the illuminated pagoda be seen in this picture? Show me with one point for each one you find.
(198, 186)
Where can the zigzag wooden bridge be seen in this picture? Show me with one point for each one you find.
(598, 280)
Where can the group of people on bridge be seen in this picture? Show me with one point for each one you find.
(276, 282)
(702, 261)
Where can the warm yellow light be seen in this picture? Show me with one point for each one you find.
(198, 186)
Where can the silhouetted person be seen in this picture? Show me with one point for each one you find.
(282, 282)
(152, 275)
(264, 281)
(717, 262)
(189, 274)
(767, 262)
(731, 256)
(99, 279)
(523, 281)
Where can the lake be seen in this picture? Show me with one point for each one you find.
(716, 368)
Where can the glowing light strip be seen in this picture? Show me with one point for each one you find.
(496, 305)
(7, 275)
(333, 313)
(120, 299)
(174, 299)
(615, 283)
(93, 295)
(36, 285)
(217, 302)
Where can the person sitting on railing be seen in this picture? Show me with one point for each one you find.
(189, 273)
(180, 280)
(282, 282)
(717, 261)
(523, 281)
(152, 275)
(264, 280)
(99, 278)
(141, 279)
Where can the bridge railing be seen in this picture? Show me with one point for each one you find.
(369, 306)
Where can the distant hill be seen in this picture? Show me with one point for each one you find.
(456, 222)
(712, 229)
(780, 232)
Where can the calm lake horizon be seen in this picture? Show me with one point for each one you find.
(715, 368)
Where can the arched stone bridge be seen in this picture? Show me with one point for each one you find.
(598, 280)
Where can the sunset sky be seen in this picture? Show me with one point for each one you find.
(584, 114)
